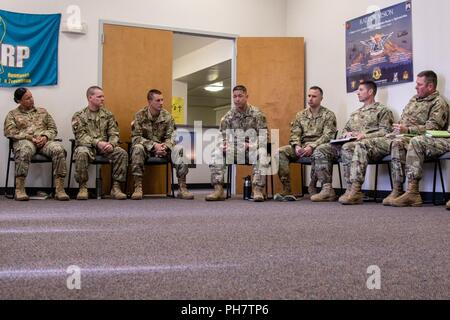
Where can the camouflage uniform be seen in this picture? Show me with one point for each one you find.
(419, 115)
(373, 121)
(89, 129)
(21, 126)
(146, 131)
(307, 130)
(252, 118)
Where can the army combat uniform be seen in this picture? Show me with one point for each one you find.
(21, 126)
(89, 129)
(146, 131)
(233, 123)
(307, 130)
(373, 121)
(419, 149)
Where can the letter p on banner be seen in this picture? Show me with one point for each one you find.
(74, 280)
(374, 281)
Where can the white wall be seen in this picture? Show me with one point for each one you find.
(322, 23)
(78, 55)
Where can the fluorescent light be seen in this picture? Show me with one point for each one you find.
(215, 87)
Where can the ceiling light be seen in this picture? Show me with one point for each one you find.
(215, 87)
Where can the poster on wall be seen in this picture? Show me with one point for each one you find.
(379, 47)
(178, 110)
(28, 49)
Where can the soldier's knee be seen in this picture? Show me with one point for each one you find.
(137, 149)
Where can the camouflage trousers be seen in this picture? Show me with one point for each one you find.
(366, 151)
(220, 162)
(25, 149)
(326, 154)
(286, 156)
(139, 154)
(420, 149)
(84, 155)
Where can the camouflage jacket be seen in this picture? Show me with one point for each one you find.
(310, 131)
(90, 127)
(21, 124)
(148, 130)
(252, 118)
(421, 114)
(373, 121)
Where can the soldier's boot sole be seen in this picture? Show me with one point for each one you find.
(213, 199)
(388, 201)
(188, 196)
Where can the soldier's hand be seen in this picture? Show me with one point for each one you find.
(360, 136)
(400, 129)
(307, 152)
(108, 148)
(299, 151)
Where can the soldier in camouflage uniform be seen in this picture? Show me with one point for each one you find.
(426, 111)
(153, 133)
(96, 132)
(370, 121)
(33, 131)
(311, 128)
(243, 118)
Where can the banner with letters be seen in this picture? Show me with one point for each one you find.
(379, 47)
(28, 49)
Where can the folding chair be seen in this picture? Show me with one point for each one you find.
(230, 174)
(37, 158)
(156, 161)
(98, 162)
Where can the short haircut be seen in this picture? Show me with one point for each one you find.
(19, 93)
(430, 77)
(90, 91)
(152, 92)
(370, 85)
(317, 88)
(240, 88)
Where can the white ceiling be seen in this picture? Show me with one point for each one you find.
(185, 44)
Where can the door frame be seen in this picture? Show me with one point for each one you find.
(191, 32)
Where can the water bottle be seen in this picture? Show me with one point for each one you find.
(247, 188)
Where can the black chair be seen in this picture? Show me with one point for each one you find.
(98, 162)
(387, 161)
(230, 174)
(156, 161)
(307, 162)
(37, 158)
(438, 166)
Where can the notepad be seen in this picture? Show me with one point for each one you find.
(342, 140)
(437, 134)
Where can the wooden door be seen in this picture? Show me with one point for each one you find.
(272, 69)
(136, 60)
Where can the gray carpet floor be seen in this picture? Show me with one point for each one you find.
(172, 249)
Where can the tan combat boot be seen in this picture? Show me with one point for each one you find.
(397, 191)
(60, 193)
(447, 206)
(258, 194)
(138, 194)
(286, 193)
(116, 193)
(355, 196)
(83, 193)
(21, 194)
(217, 195)
(326, 195)
(183, 192)
(411, 198)
(344, 197)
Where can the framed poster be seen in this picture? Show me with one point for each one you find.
(379, 47)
